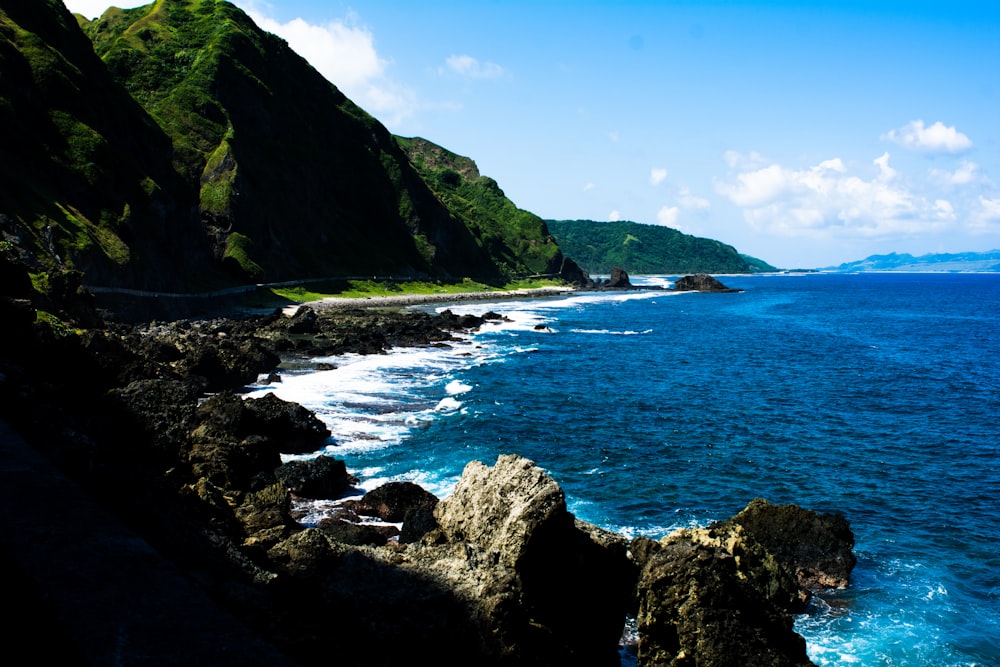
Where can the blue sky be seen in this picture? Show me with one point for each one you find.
(806, 134)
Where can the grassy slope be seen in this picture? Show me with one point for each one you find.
(294, 179)
(87, 177)
(518, 238)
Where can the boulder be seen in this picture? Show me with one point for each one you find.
(321, 478)
(695, 608)
(817, 547)
(542, 590)
(701, 282)
(295, 429)
(618, 279)
(391, 501)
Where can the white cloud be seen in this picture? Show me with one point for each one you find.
(986, 217)
(667, 216)
(938, 138)
(826, 200)
(967, 172)
(92, 9)
(345, 54)
(657, 176)
(613, 136)
(587, 187)
(470, 67)
(614, 216)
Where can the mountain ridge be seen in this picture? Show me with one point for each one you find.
(988, 261)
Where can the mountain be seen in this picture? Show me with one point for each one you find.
(647, 249)
(178, 146)
(87, 180)
(904, 262)
(513, 236)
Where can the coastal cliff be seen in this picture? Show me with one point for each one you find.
(141, 426)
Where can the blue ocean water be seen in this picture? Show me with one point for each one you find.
(874, 395)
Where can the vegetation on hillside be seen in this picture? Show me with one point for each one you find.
(646, 249)
(519, 239)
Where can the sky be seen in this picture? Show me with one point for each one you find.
(806, 134)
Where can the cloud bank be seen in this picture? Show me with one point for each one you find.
(828, 200)
(937, 138)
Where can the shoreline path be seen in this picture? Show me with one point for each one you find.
(402, 300)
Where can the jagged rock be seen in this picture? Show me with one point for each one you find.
(701, 282)
(773, 579)
(618, 279)
(817, 547)
(574, 274)
(392, 500)
(267, 511)
(695, 608)
(543, 591)
(295, 429)
(323, 477)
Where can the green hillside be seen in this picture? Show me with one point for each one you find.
(178, 146)
(518, 239)
(647, 249)
(87, 180)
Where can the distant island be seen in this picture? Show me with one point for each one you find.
(984, 262)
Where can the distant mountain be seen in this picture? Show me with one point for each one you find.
(904, 262)
(647, 249)
(178, 146)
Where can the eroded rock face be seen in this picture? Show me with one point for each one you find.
(544, 591)
(817, 547)
(696, 609)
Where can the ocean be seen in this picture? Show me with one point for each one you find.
(873, 395)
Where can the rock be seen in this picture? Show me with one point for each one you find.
(353, 534)
(164, 409)
(295, 429)
(773, 579)
(572, 273)
(303, 321)
(817, 547)
(543, 590)
(391, 501)
(323, 477)
(695, 608)
(700, 282)
(417, 522)
(618, 279)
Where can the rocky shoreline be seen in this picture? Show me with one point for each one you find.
(175, 487)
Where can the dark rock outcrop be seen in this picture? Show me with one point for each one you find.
(618, 280)
(391, 501)
(695, 608)
(817, 547)
(701, 282)
(321, 478)
(542, 590)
